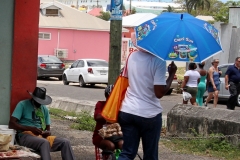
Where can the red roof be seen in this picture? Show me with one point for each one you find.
(95, 12)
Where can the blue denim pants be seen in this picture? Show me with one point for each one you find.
(136, 127)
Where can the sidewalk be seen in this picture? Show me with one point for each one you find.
(81, 142)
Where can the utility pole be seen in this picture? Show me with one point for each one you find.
(97, 2)
(130, 7)
(115, 40)
(77, 5)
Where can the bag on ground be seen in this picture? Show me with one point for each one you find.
(5, 140)
(186, 96)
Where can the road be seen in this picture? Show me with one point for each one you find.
(56, 88)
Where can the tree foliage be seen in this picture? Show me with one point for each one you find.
(222, 13)
(197, 5)
(104, 15)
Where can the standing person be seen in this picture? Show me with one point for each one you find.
(190, 82)
(232, 82)
(214, 83)
(97, 140)
(141, 112)
(31, 119)
(201, 84)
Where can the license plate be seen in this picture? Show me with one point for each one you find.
(54, 67)
(103, 72)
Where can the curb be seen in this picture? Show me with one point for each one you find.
(73, 105)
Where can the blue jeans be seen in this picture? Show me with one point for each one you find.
(134, 128)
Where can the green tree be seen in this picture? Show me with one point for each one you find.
(104, 15)
(197, 5)
(222, 14)
(133, 11)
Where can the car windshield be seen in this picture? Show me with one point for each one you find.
(49, 59)
(96, 63)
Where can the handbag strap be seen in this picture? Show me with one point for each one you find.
(126, 66)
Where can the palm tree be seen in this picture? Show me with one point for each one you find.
(104, 15)
(194, 4)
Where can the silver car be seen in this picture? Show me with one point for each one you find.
(223, 94)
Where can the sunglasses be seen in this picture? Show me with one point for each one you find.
(215, 62)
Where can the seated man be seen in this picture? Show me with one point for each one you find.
(31, 119)
(105, 144)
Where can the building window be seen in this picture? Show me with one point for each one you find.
(44, 36)
(52, 12)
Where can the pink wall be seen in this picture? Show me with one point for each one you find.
(88, 44)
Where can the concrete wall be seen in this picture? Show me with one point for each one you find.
(6, 38)
(230, 40)
(234, 16)
(183, 118)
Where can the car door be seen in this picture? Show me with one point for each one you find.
(223, 92)
(78, 70)
(72, 70)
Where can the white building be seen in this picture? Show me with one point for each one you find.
(141, 6)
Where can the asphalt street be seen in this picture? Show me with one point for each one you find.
(56, 88)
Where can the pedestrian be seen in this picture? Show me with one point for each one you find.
(232, 83)
(190, 83)
(31, 119)
(213, 84)
(140, 116)
(97, 140)
(202, 84)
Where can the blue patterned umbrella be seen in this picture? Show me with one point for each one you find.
(178, 37)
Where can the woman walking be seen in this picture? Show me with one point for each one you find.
(190, 83)
(213, 83)
(202, 84)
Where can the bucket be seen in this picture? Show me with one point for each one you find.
(5, 130)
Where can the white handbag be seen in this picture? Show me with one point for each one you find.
(186, 96)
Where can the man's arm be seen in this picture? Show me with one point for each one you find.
(13, 124)
(226, 82)
(161, 90)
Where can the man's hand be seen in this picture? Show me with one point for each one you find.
(226, 86)
(35, 130)
(45, 134)
(172, 68)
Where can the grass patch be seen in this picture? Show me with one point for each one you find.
(84, 119)
(214, 147)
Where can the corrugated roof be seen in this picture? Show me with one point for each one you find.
(73, 19)
(46, 5)
(136, 19)
(95, 11)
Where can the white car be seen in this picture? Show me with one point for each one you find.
(87, 71)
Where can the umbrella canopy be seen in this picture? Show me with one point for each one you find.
(178, 37)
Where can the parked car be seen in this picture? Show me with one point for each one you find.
(87, 71)
(49, 66)
(174, 84)
(223, 94)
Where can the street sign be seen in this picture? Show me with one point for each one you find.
(116, 9)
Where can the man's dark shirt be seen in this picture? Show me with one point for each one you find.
(233, 74)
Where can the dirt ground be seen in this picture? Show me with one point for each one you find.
(83, 148)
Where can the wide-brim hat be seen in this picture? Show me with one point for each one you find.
(39, 95)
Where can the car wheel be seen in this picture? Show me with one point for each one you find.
(65, 82)
(238, 100)
(169, 91)
(60, 78)
(81, 82)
